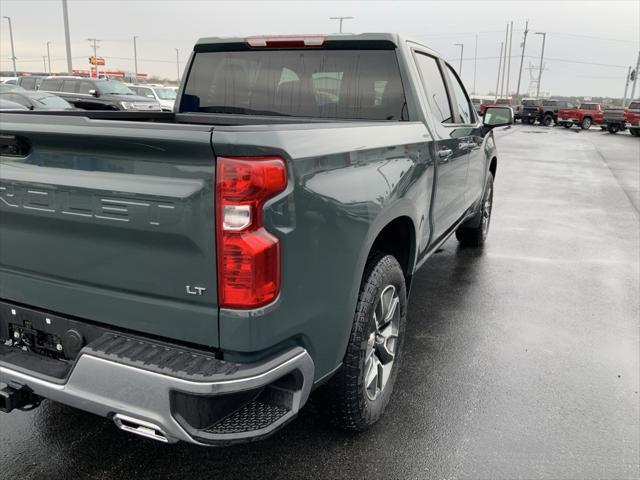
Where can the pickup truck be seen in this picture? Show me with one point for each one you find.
(633, 118)
(502, 102)
(585, 115)
(614, 119)
(194, 275)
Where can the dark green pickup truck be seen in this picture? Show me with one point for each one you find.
(195, 275)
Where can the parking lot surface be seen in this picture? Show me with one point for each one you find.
(521, 361)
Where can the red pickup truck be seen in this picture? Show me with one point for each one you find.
(500, 102)
(632, 117)
(584, 116)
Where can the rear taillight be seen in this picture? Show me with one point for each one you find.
(538, 109)
(248, 255)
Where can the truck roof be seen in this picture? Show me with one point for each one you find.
(393, 39)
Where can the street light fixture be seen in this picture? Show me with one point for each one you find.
(341, 19)
(13, 52)
(544, 38)
(461, 45)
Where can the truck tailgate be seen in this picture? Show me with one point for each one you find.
(111, 222)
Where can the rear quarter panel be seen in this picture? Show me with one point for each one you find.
(346, 183)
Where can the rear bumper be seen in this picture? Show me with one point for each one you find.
(202, 400)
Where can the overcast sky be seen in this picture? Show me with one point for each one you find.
(589, 45)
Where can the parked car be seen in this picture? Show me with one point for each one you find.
(585, 115)
(30, 82)
(614, 119)
(633, 118)
(37, 100)
(9, 80)
(549, 111)
(92, 94)
(205, 270)
(9, 105)
(10, 87)
(165, 96)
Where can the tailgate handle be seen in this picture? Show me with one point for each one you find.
(13, 146)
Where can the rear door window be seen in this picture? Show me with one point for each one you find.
(460, 98)
(51, 84)
(85, 87)
(70, 86)
(435, 87)
(28, 83)
(343, 84)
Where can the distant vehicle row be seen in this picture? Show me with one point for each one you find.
(98, 94)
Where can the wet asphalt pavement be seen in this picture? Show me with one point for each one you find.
(521, 361)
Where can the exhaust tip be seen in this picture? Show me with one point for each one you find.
(140, 427)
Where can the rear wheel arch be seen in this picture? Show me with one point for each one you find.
(397, 238)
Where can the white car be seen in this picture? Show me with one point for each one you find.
(166, 96)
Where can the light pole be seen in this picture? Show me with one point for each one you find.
(135, 59)
(67, 38)
(635, 78)
(509, 57)
(499, 67)
(461, 45)
(13, 52)
(44, 63)
(524, 44)
(178, 63)
(544, 38)
(340, 19)
(475, 65)
(49, 56)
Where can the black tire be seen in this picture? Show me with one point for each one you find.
(613, 129)
(345, 396)
(547, 120)
(476, 235)
(635, 132)
(567, 125)
(586, 123)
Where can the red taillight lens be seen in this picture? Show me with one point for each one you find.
(538, 109)
(248, 255)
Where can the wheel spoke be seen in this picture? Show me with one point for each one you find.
(386, 344)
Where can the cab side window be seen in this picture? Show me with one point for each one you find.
(460, 98)
(69, 86)
(86, 87)
(435, 87)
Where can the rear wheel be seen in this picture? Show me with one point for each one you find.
(357, 395)
(547, 120)
(586, 123)
(566, 125)
(613, 129)
(476, 235)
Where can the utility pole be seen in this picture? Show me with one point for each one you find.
(178, 63)
(544, 38)
(475, 65)
(49, 56)
(499, 66)
(635, 78)
(504, 62)
(509, 63)
(524, 44)
(340, 19)
(135, 59)
(67, 38)
(461, 45)
(626, 87)
(44, 63)
(13, 52)
(95, 42)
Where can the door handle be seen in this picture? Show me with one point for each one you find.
(444, 155)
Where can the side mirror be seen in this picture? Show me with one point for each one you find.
(94, 93)
(497, 117)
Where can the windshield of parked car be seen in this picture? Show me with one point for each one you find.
(50, 101)
(166, 93)
(634, 106)
(110, 87)
(4, 87)
(347, 84)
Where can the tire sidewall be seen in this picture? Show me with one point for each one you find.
(371, 410)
